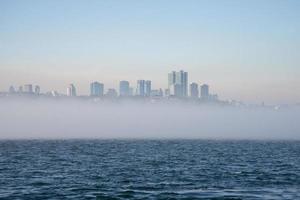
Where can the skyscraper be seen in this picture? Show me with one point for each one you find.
(194, 90)
(124, 88)
(182, 79)
(140, 89)
(204, 92)
(171, 79)
(143, 88)
(147, 88)
(71, 90)
(178, 83)
(175, 90)
(96, 89)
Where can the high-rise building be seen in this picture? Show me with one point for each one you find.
(96, 89)
(194, 90)
(178, 83)
(143, 88)
(71, 90)
(140, 89)
(37, 90)
(28, 88)
(204, 91)
(147, 88)
(182, 79)
(176, 90)
(124, 88)
(171, 78)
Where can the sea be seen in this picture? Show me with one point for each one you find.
(149, 169)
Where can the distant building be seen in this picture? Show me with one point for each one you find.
(204, 92)
(156, 93)
(194, 90)
(178, 83)
(111, 93)
(143, 88)
(171, 78)
(28, 88)
(176, 90)
(37, 90)
(140, 89)
(124, 89)
(11, 90)
(71, 90)
(96, 89)
(147, 88)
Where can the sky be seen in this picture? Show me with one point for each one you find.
(245, 50)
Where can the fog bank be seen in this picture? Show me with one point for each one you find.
(75, 119)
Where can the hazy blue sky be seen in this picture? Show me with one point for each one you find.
(246, 50)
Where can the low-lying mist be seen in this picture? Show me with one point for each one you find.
(55, 119)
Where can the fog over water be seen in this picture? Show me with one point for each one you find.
(22, 119)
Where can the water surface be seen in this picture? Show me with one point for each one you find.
(149, 169)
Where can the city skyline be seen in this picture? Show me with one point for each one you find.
(248, 50)
(178, 87)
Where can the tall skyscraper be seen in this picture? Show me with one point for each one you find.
(71, 90)
(140, 89)
(178, 83)
(147, 88)
(124, 88)
(96, 89)
(37, 90)
(194, 90)
(28, 88)
(143, 88)
(182, 79)
(176, 90)
(204, 91)
(171, 79)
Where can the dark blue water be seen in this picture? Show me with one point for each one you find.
(149, 169)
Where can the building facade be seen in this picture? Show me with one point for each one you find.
(204, 92)
(71, 90)
(124, 89)
(194, 90)
(178, 83)
(96, 89)
(143, 88)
